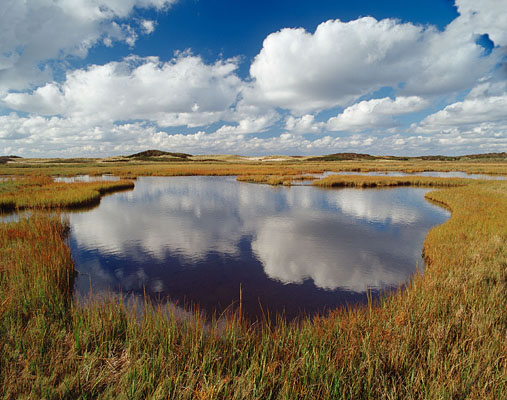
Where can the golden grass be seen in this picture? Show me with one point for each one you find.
(231, 166)
(43, 192)
(286, 180)
(443, 336)
(388, 181)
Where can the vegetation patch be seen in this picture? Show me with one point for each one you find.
(342, 157)
(43, 192)
(443, 336)
(275, 180)
(236, 166)
(388, 181)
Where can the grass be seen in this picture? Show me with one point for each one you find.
(235, 165)
(443, 336)
(43, 192)
(388, 181)
(275, 180)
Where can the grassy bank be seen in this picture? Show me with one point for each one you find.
(388, 181)
(232, 166)
(444, 336)
(275, 180)
(43, 192)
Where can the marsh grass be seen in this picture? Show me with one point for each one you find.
(388, 181)
(275, 180)
(43, 192)
(443, 336)
(232, 166)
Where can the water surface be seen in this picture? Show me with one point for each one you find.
(197, 240)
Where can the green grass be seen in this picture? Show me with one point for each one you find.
(443, 336)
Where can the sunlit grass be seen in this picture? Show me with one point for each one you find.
(443, 336)
(232, 166)
(388, 181)
(43, 192)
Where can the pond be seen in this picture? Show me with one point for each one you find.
(199, 241)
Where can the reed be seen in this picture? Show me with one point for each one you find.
(388, 181)
(275, 180)
(234, 167)
(443, 336)
(43, 192)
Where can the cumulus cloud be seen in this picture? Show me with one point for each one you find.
(39, 30)
(483, 17)
(342, 61)
(148, 26)
(375, 113)
(183, 91)
(304, 124)
(64, 137)
(484, 106)
(296, 79)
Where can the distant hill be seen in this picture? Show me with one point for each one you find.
(342, 157)
(359, 157)
(483, 156)
(158, 155)
(6, 159)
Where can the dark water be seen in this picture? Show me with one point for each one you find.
(196, 240)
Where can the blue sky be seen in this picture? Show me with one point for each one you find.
(108, 77)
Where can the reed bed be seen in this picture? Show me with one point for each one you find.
(388, 181)
(275, 180)
(43, 192)
(233, 167)
(443, 336)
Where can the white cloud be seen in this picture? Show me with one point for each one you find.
(485, 16)
(342, 61)
(64, 137)
(248, 125)
(148, 26)
(375, 113)
(304, 124)
(484, 106)
(183, 91)
(38, 30)
(296, 70)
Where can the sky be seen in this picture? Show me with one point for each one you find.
(96, 78)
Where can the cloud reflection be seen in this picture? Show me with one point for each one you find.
(350, 239)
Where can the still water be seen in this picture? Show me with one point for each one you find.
(194, 241)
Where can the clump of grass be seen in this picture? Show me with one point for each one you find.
(388, 181)
(43, 192)
(443, 336)
(275, 180)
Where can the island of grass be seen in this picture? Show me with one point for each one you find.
(43, 192)
(442, 336)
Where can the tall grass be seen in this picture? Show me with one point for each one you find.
(234, 167)
(443, 336)
(43, 192)
(286, 180)
(388, 181)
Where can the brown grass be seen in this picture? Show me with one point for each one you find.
(443, 336)
(43, 192)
